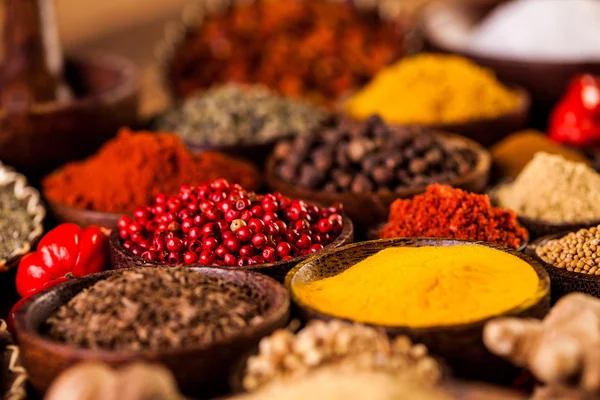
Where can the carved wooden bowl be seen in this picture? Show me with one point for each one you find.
(82, 217)
(120, 258)
(370, 209)
(17, 183)
(195, 368)
(460, 345)
(48, 135)
(563, 281)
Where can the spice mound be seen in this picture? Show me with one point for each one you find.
(433, 89)
(233, 114)
(576, 251)
(222, 224)
(136, 166)
(317, 49)
(439, 286)
(513, 153)
(358, 157)
(284, 355)
(446, 212)
(155, 309)
(554, 190)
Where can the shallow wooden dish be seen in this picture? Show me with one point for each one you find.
(545, 80)
(460, 345)
(563, 281)
(48, 135)
(539, 228)
(122, 259)
(195, 368)
(22, 190)
(370, 209)
(83, 218)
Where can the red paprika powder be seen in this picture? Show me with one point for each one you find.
(134, 167)
(445, 212)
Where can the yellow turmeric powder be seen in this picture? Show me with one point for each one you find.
(433, 89)
(424, 286)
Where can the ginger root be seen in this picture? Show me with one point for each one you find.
(563, 349)
(95, 381)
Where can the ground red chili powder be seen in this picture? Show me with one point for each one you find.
(134, 167)
(445, 212)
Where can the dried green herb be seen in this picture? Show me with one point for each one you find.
(155, 309)
(233, 114)
(16, 222)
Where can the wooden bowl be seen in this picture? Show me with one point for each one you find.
(82, 217)
(22, 190)
(563, 281)
(120, 258)
(539, 228)
(460, 345)
(254, 152)
(48, 135)
(370, 209)
(545, 80)
(195, 368)
(13, 381)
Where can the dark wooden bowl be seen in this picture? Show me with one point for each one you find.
(48, 135)
(82, 217)
(17, 183)
(370, 209)
(254, 152)
(120, 258)
(195, 368)
(539, 228)
(460, 345)
(563, 281)
(373, 234)
(489, 131)
(544, 80)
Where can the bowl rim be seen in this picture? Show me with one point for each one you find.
(530, 250)
(278, 310)
(35, 208)
(492, 192)
(126, 83)
(482, 165)
(543, 289)
(53, 205)
(427, 30)
(347, 232)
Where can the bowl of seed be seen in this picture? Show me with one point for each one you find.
(571, 259)
(196, 322)
(22, 214)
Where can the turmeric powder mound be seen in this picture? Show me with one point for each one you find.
(424, 286)
(433, 89)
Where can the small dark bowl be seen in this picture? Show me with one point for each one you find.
(49, 135)
(461, 345)
(120, 258)
(81, 217)
(539, 228)
(373, 234)
(545, 80)
(563, 281)
(370, 209)
(196, 368)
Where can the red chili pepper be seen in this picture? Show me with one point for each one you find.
(66, 250)
(576, 118)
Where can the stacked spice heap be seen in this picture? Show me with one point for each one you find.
(224, 225)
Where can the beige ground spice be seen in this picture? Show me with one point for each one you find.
(553, 189)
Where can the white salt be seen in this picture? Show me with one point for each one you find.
(549, 30)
